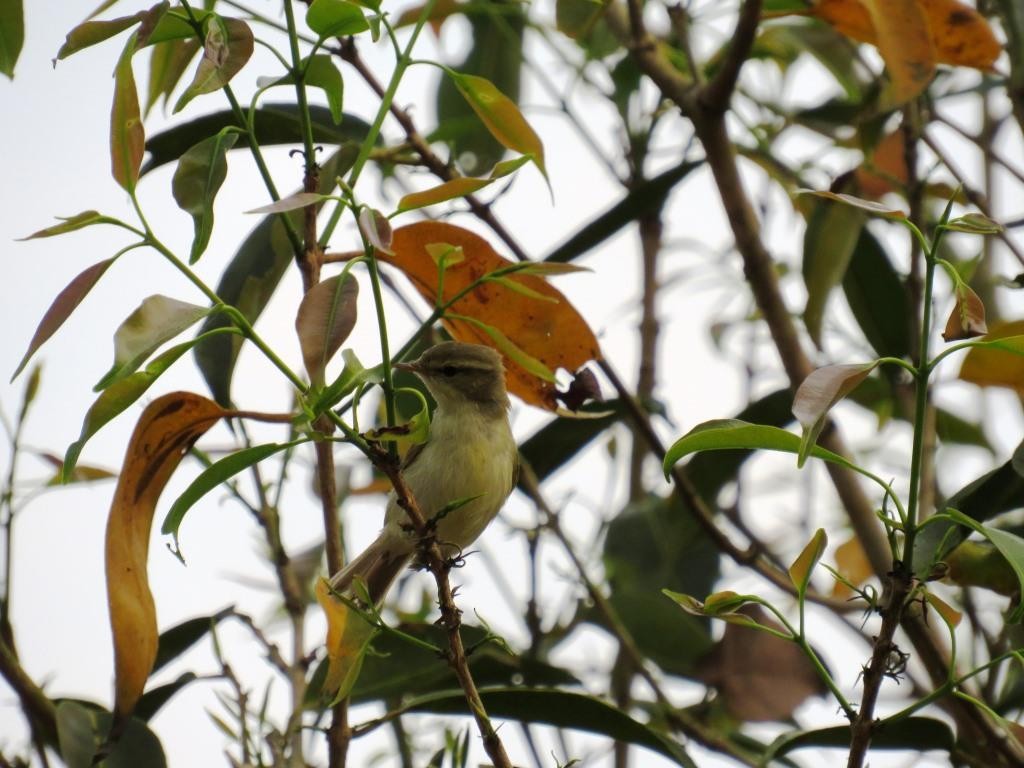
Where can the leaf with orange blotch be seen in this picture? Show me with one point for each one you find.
(348, 638)
(959, 34)
(853, 565)
(997, 365)
(553, 333)
(165, 431)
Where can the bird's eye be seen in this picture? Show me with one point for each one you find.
(449, 370)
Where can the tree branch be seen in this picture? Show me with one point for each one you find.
(715, 96)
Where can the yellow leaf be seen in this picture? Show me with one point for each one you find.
(994, 367)
(904, 40)
(852, 562)
(501, 116)
(165, 431)
(449, 190)
(348, 637)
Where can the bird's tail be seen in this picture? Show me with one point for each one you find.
(377, 566)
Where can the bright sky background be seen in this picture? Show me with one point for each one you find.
(56, 164)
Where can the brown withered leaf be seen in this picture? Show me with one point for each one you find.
(759, 676)
(552, 332)
(583, 387)
(967, 320)
(165, 431)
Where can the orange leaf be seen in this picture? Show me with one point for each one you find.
(852, 562)
(959, 34)
(165, 431)
(553, 333)
(905, 43)
(886, 171)
(994, 367)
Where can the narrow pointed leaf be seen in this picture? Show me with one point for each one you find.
(70, 224)
(291, 203)
(449, 190)
(61, 308)
(216, 474)
(335, 18)
(91, 32)
(830, 240)
(517, 287)
(870, 206)
(127, 136)
(819, 392)
(325, 318)
(508, 348)
(158, 319)
(199, 176)
(974, 223)
(916, 734)
(501, 116)
(800, 570)
(226, 49)
(166, 429)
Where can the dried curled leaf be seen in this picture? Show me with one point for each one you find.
(164, 433)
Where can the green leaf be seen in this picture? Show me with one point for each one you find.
(127, 136)
(179, 638)
(167, 64)
(226, 49)
(975, 224)
(326, 317)
(60, 310)
(829, 241)
(217, 473)
(646, 196)
(352, 375)
(249, 281)
(1009, 545)
(114, 399)
(320, 72)
(856, 202)
(495, 54)
(501, 116)
(157, 319)
(800, 570)
(917, 734)
(153, 699)
(722, 434)
(82, 727)
(818, 393)
(291, 203)
(449, 190)
(877, 298)
(655, 543)
(275, 123)
(562, 709)
(12, 34)
(71, 223)
(998, 491)
(201, 172)
(543, 269)
(517, 287)
(509, 348)
(335, 18)
(89, 33)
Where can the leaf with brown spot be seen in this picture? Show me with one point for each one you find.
(226, 49)
(553, 333)
(967, 320)
(164, 433)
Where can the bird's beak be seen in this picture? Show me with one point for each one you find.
(410, 367)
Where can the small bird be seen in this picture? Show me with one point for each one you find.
(469, 453)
